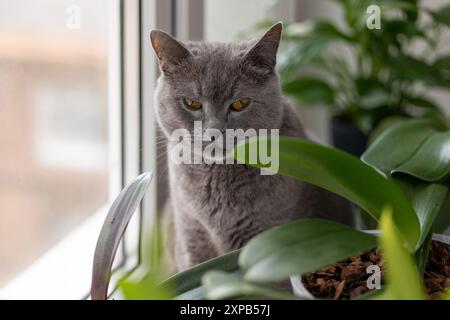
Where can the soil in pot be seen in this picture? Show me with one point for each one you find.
(347, 279)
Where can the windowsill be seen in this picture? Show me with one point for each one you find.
(64, 271)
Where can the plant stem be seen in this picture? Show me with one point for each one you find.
(422, 253)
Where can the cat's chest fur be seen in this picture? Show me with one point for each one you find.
(233, 202)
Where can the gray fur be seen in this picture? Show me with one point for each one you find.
(218, 208)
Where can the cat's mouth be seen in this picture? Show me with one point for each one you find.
(203, 149)
(197, 151)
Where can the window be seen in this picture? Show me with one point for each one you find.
(77, 123)
(60, 160)
(75, 126)
(226, 20)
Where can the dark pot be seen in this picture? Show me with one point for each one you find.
(347, 137)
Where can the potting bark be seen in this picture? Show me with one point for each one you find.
(347, 279)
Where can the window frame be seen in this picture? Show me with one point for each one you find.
(132, 122)
(183, 19)
(64, 271)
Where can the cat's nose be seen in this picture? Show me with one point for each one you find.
(215, 123)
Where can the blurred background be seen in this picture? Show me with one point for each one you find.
(53, 123)
(56, 100)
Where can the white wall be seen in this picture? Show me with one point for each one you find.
(225, 20)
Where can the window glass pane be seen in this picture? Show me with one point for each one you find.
(226, 20)
(53, 123)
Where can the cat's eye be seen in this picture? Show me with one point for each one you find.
(239, 105)
(192, 104)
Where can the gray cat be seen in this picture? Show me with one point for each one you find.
(218, 208)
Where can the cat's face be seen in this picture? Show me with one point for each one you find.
(225, 86)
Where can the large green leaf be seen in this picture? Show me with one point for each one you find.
(309, 90)
(397, 144)
(341, 173)
(403, 278)
(221, 285)
(414, 147)
(431, 162)
(299, 247)
(192, 278)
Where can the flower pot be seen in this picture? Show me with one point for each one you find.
(300, 290)
(347, 137)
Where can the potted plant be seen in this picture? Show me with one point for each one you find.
(407, 181)
(365, 75)
(411, 156)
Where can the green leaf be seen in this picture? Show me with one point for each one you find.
(299, 247)
(310, 90)
(446, 295)
(309, 40)
(422, 102)
(431, 161)
(382, 126)
(372, 93)
(112, 231)
(442, 15)
(412, 69)
(356, 10)
(442, 221)
(146, 289)
(443, 63)
(192, 278)
(372, 295)
(221, 285)
(397, 144)
(341, 173)
(403, 278)
(314, 28)
(394, 28)
(423, 252)
(427, 200)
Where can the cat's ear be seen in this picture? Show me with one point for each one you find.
(169, 51)
(263, 54)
